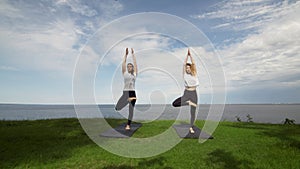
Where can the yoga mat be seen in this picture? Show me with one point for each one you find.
(183, 131)
(120, 132)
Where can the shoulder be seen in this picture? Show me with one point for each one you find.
(125, 73)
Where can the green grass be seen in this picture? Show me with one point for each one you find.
(63, 144)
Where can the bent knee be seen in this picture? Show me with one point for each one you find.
(175, 104)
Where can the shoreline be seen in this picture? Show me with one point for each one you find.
(259, 113)
(140, 104)
(142, 121)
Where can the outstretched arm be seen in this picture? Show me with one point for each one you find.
(124, 61)
(134, 62)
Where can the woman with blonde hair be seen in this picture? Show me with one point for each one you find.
(129, 95)
(190, 94)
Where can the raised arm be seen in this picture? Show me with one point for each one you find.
(189, 54)
(185, 62)
(124, 61)
(134, 62)
(193, 62)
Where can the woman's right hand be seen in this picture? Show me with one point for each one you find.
(126, 51)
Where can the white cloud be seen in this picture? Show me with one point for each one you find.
(245, 14)
(269, 58)
(111, 8)
(77, 6)
(105, 8)
(49, 49)
(8, 68)
(48, 34)
(7, 10)
(262, 49)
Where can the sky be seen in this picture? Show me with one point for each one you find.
(247, 49)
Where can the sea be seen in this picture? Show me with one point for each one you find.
(259, 113)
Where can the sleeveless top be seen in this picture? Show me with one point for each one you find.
(129, 81)
(190, 81)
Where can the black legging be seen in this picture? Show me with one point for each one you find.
(123, 101)
(182, 101)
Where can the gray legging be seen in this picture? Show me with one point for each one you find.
(123, 101)
(182, 101)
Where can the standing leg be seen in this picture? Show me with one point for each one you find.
(193, 115)
(132, 100)
(131, 109)
(193, 99)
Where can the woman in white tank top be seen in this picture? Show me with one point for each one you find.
(190, 94)
(129, 95)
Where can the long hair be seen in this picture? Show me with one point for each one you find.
(132, 68)
(193, 68)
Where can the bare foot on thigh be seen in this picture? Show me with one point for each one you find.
(192, 104)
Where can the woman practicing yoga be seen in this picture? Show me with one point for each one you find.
(190, 94)
(129, 83)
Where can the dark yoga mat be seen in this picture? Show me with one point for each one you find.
(120, 132)
(183, 131)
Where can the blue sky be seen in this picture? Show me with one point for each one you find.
(257, 41)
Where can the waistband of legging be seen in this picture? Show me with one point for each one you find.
(190, 89)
